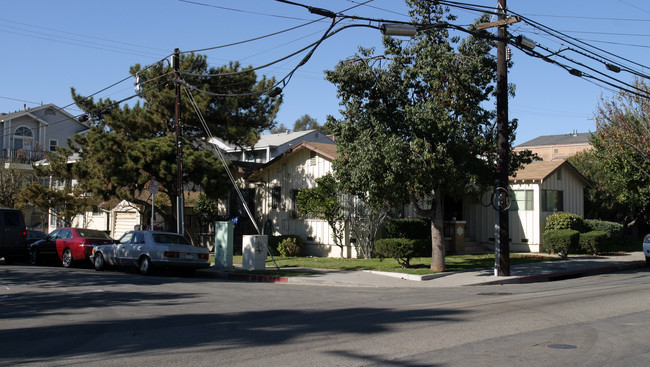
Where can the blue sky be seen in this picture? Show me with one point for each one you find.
(50, 46)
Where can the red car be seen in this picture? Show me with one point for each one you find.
(67, 245)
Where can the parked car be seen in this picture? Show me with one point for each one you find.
(33, 236)
(12, 235)
(67, 245)
(646, 248)
(150, 249)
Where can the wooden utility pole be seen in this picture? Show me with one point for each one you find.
(180, 200)
(502, 237)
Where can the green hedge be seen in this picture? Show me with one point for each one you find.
(560, 241)
(564, 220)
(413, 228)
(612, 229)
(594, 242)
(400, 249)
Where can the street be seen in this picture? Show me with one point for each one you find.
(51, 316)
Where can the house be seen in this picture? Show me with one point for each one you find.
(557, 147)
(270, 145)
(277, 185)
(28, 134)
(25, 137)
(537, 191)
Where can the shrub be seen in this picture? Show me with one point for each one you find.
(594, 242)
(560, 241)
(411, 228)
(400, 249)
(564, 220)
(612, 229)
(414, 228)
(290, 247)
(274, 242)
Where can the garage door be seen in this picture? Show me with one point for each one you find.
(124, 222)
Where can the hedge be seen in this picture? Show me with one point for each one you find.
(561, 241)
(400, 249)
(413, 228)
(594, 242)
(274, 242)
(564, 220)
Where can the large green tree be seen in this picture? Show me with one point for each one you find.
(127, 146)
(619, 163)
(414, 126)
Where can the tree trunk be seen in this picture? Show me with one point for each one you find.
(437, 237)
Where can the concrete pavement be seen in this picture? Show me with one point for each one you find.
(573, 267)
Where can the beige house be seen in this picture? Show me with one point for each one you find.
(557, 147)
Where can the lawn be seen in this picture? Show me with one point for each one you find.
(297, 265)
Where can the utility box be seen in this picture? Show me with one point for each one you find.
(254, 252)
(223, 245)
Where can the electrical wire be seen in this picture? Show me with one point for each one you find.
(219, 154)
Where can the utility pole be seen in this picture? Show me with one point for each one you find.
(502, 236)
(180, 200)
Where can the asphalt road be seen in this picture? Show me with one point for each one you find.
(51, 316)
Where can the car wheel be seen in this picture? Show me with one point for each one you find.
(145, 266)
(66, 258)
(647, 260)
(33, 256)
(99, 261)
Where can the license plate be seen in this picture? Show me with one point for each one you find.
(189, 256)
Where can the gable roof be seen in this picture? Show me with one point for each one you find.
(538, 171)
(268, 140)
(327, 151)
(30, 112)
(565, 139)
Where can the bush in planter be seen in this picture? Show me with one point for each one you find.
(594, 242)
(290, 247)
(400, 249)
(560, 241)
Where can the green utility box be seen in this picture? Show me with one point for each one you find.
(223, 245)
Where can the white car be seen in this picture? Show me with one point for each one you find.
(646, 248)
(147, 249)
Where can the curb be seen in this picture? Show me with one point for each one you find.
(571, 274)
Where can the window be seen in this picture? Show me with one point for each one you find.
(23, 137)
(522, 200)
(552, 201)
(12, 219)
(312, 158)
(53, 144)
(294, 203)
(558, 175)
(276, 197)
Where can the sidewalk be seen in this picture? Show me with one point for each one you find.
(573, 267)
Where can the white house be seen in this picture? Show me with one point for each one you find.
(277, 184)
(537, 191)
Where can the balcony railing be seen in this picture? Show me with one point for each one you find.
(22, 155)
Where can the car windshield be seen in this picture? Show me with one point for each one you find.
(168, 238)
(91, 233)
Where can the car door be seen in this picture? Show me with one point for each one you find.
(63, 241)
(124, 249)
(47, 246)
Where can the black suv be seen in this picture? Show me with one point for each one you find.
(13, 245)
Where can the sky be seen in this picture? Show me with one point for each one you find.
(51, 46)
